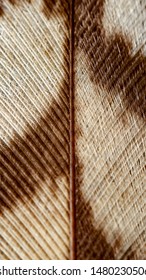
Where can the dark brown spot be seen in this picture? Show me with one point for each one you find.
(48, 6)
(13, 2)
(1, 11)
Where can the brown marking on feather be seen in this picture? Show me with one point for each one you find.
(48, 6)
(1, 11)
(28, 161)
(122, 73)
(111, 63)
(32, 166)
(13, 2)
(92, 243)
(22, 145)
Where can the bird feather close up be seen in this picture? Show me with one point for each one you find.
(73, 129)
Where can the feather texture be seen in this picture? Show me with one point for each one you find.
(73, 133)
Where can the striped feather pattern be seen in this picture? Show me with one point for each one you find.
(110, 102)
(73, 133)
(34, 195)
